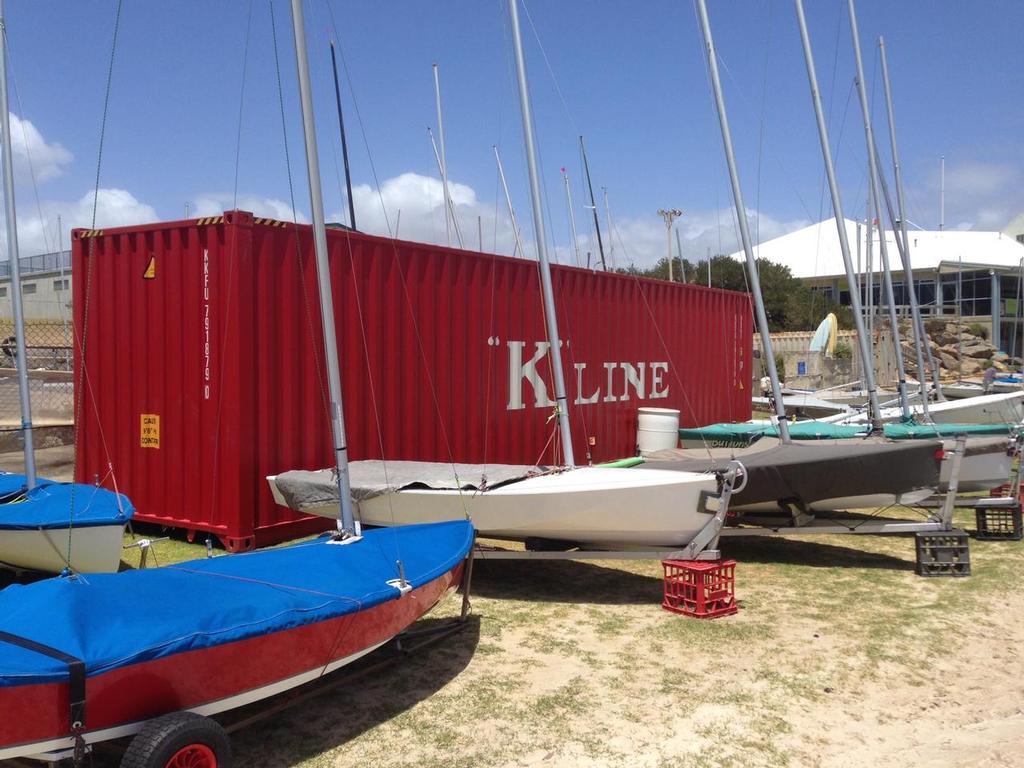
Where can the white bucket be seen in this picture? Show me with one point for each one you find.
(657, 428)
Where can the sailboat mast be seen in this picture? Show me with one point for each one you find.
(572, 218)
(443, 160)
(448, 200)
(942, 192)
(837, 209)
(908, 269)
(741, 217)
(919, 339)
(608, 224)
(15, 266)
(561, 402)
(593, 205)
(344, 142)
(508, 202)
(869, 138)
(346, 521)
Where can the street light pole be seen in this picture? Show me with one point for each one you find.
(669, 216)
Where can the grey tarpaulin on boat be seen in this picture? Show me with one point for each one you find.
(308, 489)
(803, 474)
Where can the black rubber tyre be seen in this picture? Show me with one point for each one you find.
(156, 745)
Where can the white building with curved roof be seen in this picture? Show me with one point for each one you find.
(956, 272)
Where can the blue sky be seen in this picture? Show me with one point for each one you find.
(631, 75)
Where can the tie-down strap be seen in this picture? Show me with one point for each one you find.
(76, 674)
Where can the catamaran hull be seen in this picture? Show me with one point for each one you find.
(93, 549)
(845, 503)
(207, 681)
(1003, 408)
(597, 506)
(978, 472)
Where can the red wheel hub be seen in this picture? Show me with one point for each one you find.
(193, 756)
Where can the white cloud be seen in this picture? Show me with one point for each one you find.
(415, 208)
(642, 241)
(33, 154)
(114, 208)
(979, 195)
(215, 203)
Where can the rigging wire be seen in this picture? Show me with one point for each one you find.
(232, 261)
(402, 279)
(320, 375)
(31, 168)
(510, 73)
(83, 383)
(241, 102)
(761, 123)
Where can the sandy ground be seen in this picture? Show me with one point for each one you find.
(839, 656)
(55, 463)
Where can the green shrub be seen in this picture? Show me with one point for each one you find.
(780, 366)
(843, 351)
(979, 330)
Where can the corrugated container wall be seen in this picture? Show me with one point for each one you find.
(199, 364)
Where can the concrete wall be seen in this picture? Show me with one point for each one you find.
(45, 296)
(822, 372)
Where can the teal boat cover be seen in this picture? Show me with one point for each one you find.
(736, 435)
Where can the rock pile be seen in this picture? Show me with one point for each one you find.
(962, 350)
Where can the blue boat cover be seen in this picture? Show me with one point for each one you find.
(11, 483)
(113, 620)
(57, 505)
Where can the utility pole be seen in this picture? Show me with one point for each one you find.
(669, 216)
(679, 253)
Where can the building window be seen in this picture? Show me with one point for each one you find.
(28, 288)
(3, 292)
(61, 284)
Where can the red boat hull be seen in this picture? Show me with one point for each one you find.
(34, 715)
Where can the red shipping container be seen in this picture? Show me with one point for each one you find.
(199, 365)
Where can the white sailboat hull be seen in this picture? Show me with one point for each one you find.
(94, 549)
(598, 506)
(1006, 408)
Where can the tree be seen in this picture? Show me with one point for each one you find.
(789, 304)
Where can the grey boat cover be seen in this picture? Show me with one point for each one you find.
(801, 474)
(308, 489)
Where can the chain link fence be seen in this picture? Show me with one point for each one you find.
(46, 300)
(50, 378)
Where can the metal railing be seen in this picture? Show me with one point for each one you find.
(41, 262)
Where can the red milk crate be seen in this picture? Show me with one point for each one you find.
(701, 588)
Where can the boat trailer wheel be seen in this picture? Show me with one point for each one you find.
(179, 740)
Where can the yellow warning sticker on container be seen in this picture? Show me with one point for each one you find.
(150, 273)
(149, 430)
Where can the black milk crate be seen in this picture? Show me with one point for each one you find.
(998, 522)
(944, 553)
